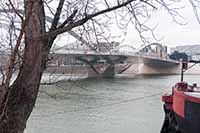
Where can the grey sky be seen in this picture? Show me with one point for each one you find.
(172, 33)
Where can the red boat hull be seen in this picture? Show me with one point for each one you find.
(182, 111)
(187, 112)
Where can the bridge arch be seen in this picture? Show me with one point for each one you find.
(158, 51)
(131, 49)
(125, 48)
(148, 47)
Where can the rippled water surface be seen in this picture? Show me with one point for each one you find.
(119, 105)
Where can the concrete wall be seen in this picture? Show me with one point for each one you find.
(70, 69)
(145, 69)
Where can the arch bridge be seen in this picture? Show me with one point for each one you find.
(150, 59)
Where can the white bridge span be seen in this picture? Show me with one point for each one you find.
(150, 59)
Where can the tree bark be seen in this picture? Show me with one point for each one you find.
(23, 92)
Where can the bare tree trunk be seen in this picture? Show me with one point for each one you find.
(23, 92)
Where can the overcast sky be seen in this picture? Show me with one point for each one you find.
(172, 33)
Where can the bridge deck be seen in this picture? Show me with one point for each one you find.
(130, 58)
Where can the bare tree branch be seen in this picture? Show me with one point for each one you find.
(57, 15)
(15, 10)
(69, 19)
(15, 51)
(146, 2)
(84, 20)
(106, 3)
(195, 9)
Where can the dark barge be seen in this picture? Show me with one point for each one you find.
(182, 108)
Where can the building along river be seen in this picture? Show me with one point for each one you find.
(118, 105)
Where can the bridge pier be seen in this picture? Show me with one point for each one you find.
(104, 70)
(154, 67)
(91, 73)
(149, 70)
(109, 72)
(102, 65)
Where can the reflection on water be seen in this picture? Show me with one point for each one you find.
(119, 105)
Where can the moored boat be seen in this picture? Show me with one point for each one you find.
(182, 109)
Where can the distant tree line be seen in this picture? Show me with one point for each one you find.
(176, 55)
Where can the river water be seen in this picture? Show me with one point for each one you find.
(118, 105)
